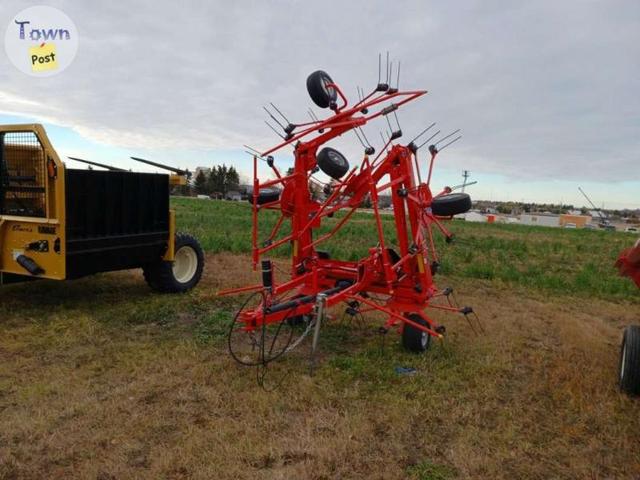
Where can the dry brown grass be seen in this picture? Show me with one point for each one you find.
(101, 379)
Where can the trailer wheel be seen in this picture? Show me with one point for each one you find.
(265, 195)
(183, 273)
(629, 371)
(321, 95)
(413, 339)
(452, 204)
(332, 162)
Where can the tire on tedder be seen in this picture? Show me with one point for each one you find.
(183, 273)
(414, 339)
(452, 204)
(629, 370)
(332, 163)
(265, 195)
(321, 95)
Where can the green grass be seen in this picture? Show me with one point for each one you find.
(552, 260)
(102, 378)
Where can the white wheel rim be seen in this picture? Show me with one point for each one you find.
(185, 264)
(623, 361)
(424, 340)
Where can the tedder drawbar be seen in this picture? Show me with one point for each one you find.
(60, 223)
(396, 279)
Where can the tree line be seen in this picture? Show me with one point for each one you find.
(220, 180)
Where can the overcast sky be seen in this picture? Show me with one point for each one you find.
(545, 92)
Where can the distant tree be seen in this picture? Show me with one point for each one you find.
(233, 179)
(223, 179)
(200, 183)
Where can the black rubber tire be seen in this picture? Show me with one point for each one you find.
(629, 367)
(266, 195)
(160, 276)
(332, 163)
(319, 93)
(452, 204)
(413, 339)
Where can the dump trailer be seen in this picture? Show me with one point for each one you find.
(59, 223)
(628, 265)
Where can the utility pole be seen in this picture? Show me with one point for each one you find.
(465, 174)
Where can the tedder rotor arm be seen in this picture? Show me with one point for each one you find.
(344, 120)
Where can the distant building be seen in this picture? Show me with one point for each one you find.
(233, 195)
(473, 217)
(540, 219)
(580, 221)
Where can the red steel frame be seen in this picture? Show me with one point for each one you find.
(629, 263)
(406, 283)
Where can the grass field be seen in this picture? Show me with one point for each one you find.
(102, 379)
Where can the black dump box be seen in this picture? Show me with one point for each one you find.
(115, 220)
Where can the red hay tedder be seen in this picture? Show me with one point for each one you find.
(396, 280)
(628, 265)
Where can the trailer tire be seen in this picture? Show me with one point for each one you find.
(265, 195)
(318, 91)
(452, 204)
(629, 369)
(332, 162)
(413, 339)
(183, 273)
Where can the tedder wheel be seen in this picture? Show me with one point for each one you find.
(266, 195)
(321, 95)
(413, 339)
(183, 273)
(332, 162)
(630, 360)
(452, 204)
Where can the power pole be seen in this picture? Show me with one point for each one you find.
(465, 174)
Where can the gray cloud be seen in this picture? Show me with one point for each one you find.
(541, 89)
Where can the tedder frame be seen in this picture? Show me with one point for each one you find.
(394, 279)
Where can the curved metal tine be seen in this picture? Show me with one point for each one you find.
(458, 187)
(444, 138)
(274, 118)
(379, 67)
(397, 121)
(255, 152)
(274, 130)
(390, 74)
(387, 67)
(365, 137)
(429, 139)
(398, 80)
(450, 143)
(313, 116)
(279, 112)
(360, 97)
(355, 130)
(388, 122)
(423, 132)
